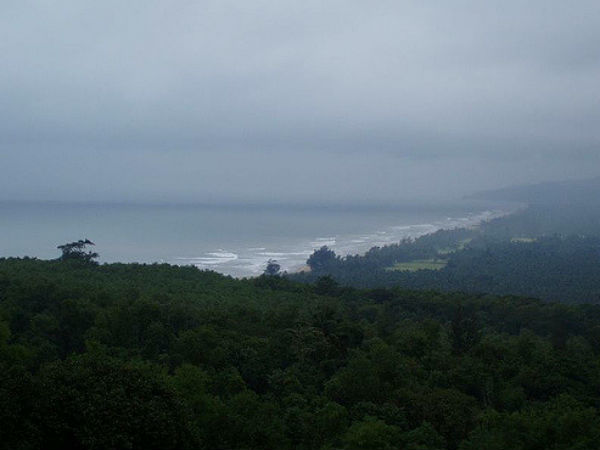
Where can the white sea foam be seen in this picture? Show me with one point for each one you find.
(251, 261)
(323, 241)
(252, 265)
(282, 254)
(211, 258)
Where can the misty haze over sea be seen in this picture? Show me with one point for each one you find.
(282, 103)
(220, 225)
(232, 239)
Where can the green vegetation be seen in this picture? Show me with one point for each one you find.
(555, 261)
(273, 268)
(128, 356)
(522, 239)
(460, 245)
(549, 250)
(420, 264)
(77, 251)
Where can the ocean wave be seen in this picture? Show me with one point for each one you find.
(282, 254)
(211, 258)
(323, 241)
(251, 261)
(419, 227)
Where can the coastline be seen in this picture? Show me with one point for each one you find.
(420, 230)
(235, 242)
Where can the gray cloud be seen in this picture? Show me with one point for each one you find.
(294, 100)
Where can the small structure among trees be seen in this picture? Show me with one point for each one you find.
(77, 251)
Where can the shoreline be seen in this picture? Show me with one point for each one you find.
(488, 215)
(234, 243)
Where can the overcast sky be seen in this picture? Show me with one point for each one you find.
(294, 100)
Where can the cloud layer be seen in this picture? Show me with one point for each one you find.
(298, 100)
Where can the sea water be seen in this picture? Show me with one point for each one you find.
(236, 240)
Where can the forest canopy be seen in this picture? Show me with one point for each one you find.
(550, 252)
(157, 356)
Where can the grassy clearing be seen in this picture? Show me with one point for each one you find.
(460, 246)
(420, 264)
(522, 239)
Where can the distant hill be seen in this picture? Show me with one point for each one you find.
(548, 250)
(585, 191)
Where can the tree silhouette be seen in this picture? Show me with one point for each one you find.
(322, 259)
(273, 268)
(77, 251)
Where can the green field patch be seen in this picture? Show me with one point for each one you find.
(460, 246)
(522, 239)
(420, 264)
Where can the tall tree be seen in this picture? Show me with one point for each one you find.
(77, 251)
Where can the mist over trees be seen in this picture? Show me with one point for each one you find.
(549, 249)
(176, 128)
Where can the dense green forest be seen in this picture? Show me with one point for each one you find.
(126, 356)
(397, 349)
(548, 251)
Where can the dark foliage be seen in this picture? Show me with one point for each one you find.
(540, 252)
(153, 356)
(76, 251)
(273, 268)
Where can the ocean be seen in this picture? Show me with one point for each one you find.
(235, 240)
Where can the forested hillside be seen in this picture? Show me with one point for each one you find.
(549, 250)
(555, 268)
(566, 193)
(159, 357)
